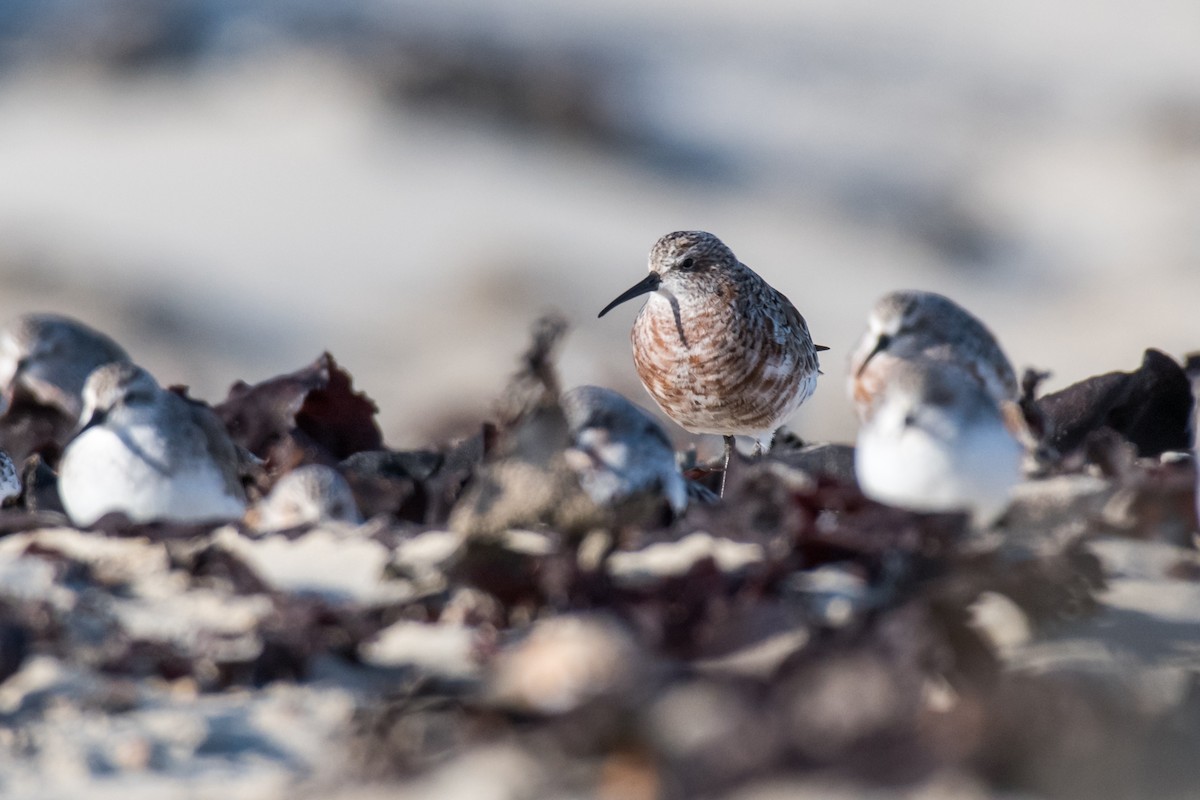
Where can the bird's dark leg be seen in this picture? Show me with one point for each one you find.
(725, 470)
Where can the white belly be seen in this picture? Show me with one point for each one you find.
(100, 474)
(972, 471)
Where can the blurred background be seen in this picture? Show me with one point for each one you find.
(230, 187)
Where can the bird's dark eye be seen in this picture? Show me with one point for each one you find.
(687, 263)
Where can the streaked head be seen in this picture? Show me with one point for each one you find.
(689, 253)
(908, 324)
(678, 261)
(894, 321)
(114, 384)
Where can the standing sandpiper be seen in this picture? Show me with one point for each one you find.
(934, 439)
(717, 348)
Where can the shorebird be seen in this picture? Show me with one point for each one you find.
(717, 347)
(910, 325)
(148, 453)
(933, 439)
(619, 450)
(307, 495)
(48, 357)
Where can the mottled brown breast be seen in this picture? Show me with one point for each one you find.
(718, 366)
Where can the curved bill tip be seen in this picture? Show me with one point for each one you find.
(648, 284)
(881, 344)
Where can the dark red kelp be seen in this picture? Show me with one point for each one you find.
(311, 415)
(1150, 407)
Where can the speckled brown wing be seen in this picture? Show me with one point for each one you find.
(807, 351)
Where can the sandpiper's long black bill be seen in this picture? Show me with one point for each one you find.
(881, 344)
(648, 284)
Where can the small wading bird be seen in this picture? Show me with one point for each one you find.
(934, 440)
(620, 450)
(936, 395)
(717, 347)
(148, 453)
